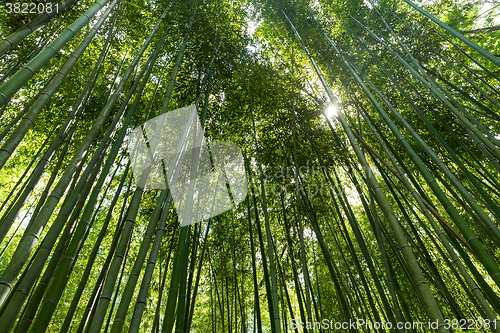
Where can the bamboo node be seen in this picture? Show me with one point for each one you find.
(8, 41)
(6, 151)
(7, 284)
(23, 291)
(68, 28)
(55, 196)
(6, 99)
(32, 72)
(50, 301)
(473, 237)
(29, 119)
(450, 206)
(34, 235)
(402, 247)
(53, 49)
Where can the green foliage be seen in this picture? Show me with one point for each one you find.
(269, 76)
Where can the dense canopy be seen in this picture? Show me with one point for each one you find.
(370, 145)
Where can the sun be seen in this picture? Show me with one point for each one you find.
(332, 111)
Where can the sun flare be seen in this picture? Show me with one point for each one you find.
(332, 111)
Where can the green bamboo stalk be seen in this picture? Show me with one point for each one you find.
(340, 285)
(131, 216)
(90, 262)
(298, 216)
(469, 175)
(15, 198)
(148, 274)
(15, 120)
(261, 246)
(154, 141)
(292, 260)
(198, 277)
(448, 62)
(427, 259)
(10, 215)
(254, 268)
(141, 300)
(425, 256)
(15, 138)
(139, 261)
(448, 173)
(168, 321)
(283, 281)
(474, 132)
(55, 170)
(76, 115)
(444, 240)
(127, 294)
(15, 232)
(340, 194)
(274, 298)
(52, 297)
(434, 51)
(16, 37)
(156, 320)
(9, 88)
(490, 266)
(456, 34)
(37, 296)
(181, 303)
(191, 271)
(19, 298)
(31, 237)
(421, 285)
(474, 61)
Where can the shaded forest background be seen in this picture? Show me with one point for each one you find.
(370, 136)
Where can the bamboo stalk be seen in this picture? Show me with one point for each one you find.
(9, 88)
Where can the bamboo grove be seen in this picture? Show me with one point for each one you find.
(370, 137)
